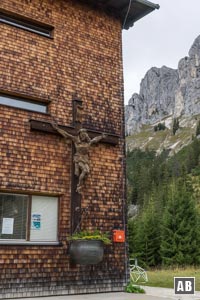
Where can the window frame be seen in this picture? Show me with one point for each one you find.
(27, 240)
(24, 23)
(24, 100)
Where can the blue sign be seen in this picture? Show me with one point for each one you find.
(36, 221)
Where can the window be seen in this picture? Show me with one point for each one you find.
(23, 103)
(13, 216)
(28, 218)
(44, 215)
(24, 23)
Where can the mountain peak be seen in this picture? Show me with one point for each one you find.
(166, 92)
(194, 50)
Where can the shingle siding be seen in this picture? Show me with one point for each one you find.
(83, 59)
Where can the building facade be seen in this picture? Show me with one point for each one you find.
(56, 55)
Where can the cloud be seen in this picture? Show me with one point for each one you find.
(161, 38)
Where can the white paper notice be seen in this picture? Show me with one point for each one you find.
(7, 226)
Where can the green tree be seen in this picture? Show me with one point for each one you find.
(159, 127)
(180, 232)
(138, 175)
(145, 236)
(198, 129)
(175, 126)
(153, 235)
(193, 155)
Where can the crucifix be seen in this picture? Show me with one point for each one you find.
(82, 144)
(81, 139)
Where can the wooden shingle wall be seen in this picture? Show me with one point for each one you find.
(84, 60)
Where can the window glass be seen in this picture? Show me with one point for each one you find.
(23, 23)
(28, 218)
(22, 103)
(44, 218)
(13, 216)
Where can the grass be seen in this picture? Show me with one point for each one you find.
(131, 288)
(165, 278)
(158, 140)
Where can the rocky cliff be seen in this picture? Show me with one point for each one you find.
(166, 94)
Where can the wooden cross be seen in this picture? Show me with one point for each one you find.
(46, 126)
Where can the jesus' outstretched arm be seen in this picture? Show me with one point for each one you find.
(98, 139)
(64, 133)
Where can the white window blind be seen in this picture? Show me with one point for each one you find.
(44, 218)
(13, 216)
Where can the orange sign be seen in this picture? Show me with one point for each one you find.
(118, 236)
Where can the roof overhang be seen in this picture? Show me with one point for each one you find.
(128, 11)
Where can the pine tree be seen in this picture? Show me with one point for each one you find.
(153, 235)
(175, 126)
(145, 238)
(137, 239)
(180, 233)
(165, 200)
(193, 154)
(198, 129)
(138, 174)
(131, 236)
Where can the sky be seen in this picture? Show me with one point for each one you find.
(161, 38)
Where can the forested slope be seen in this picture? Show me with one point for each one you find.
(165, 230)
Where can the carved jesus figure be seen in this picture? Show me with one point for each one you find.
(82, 143)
